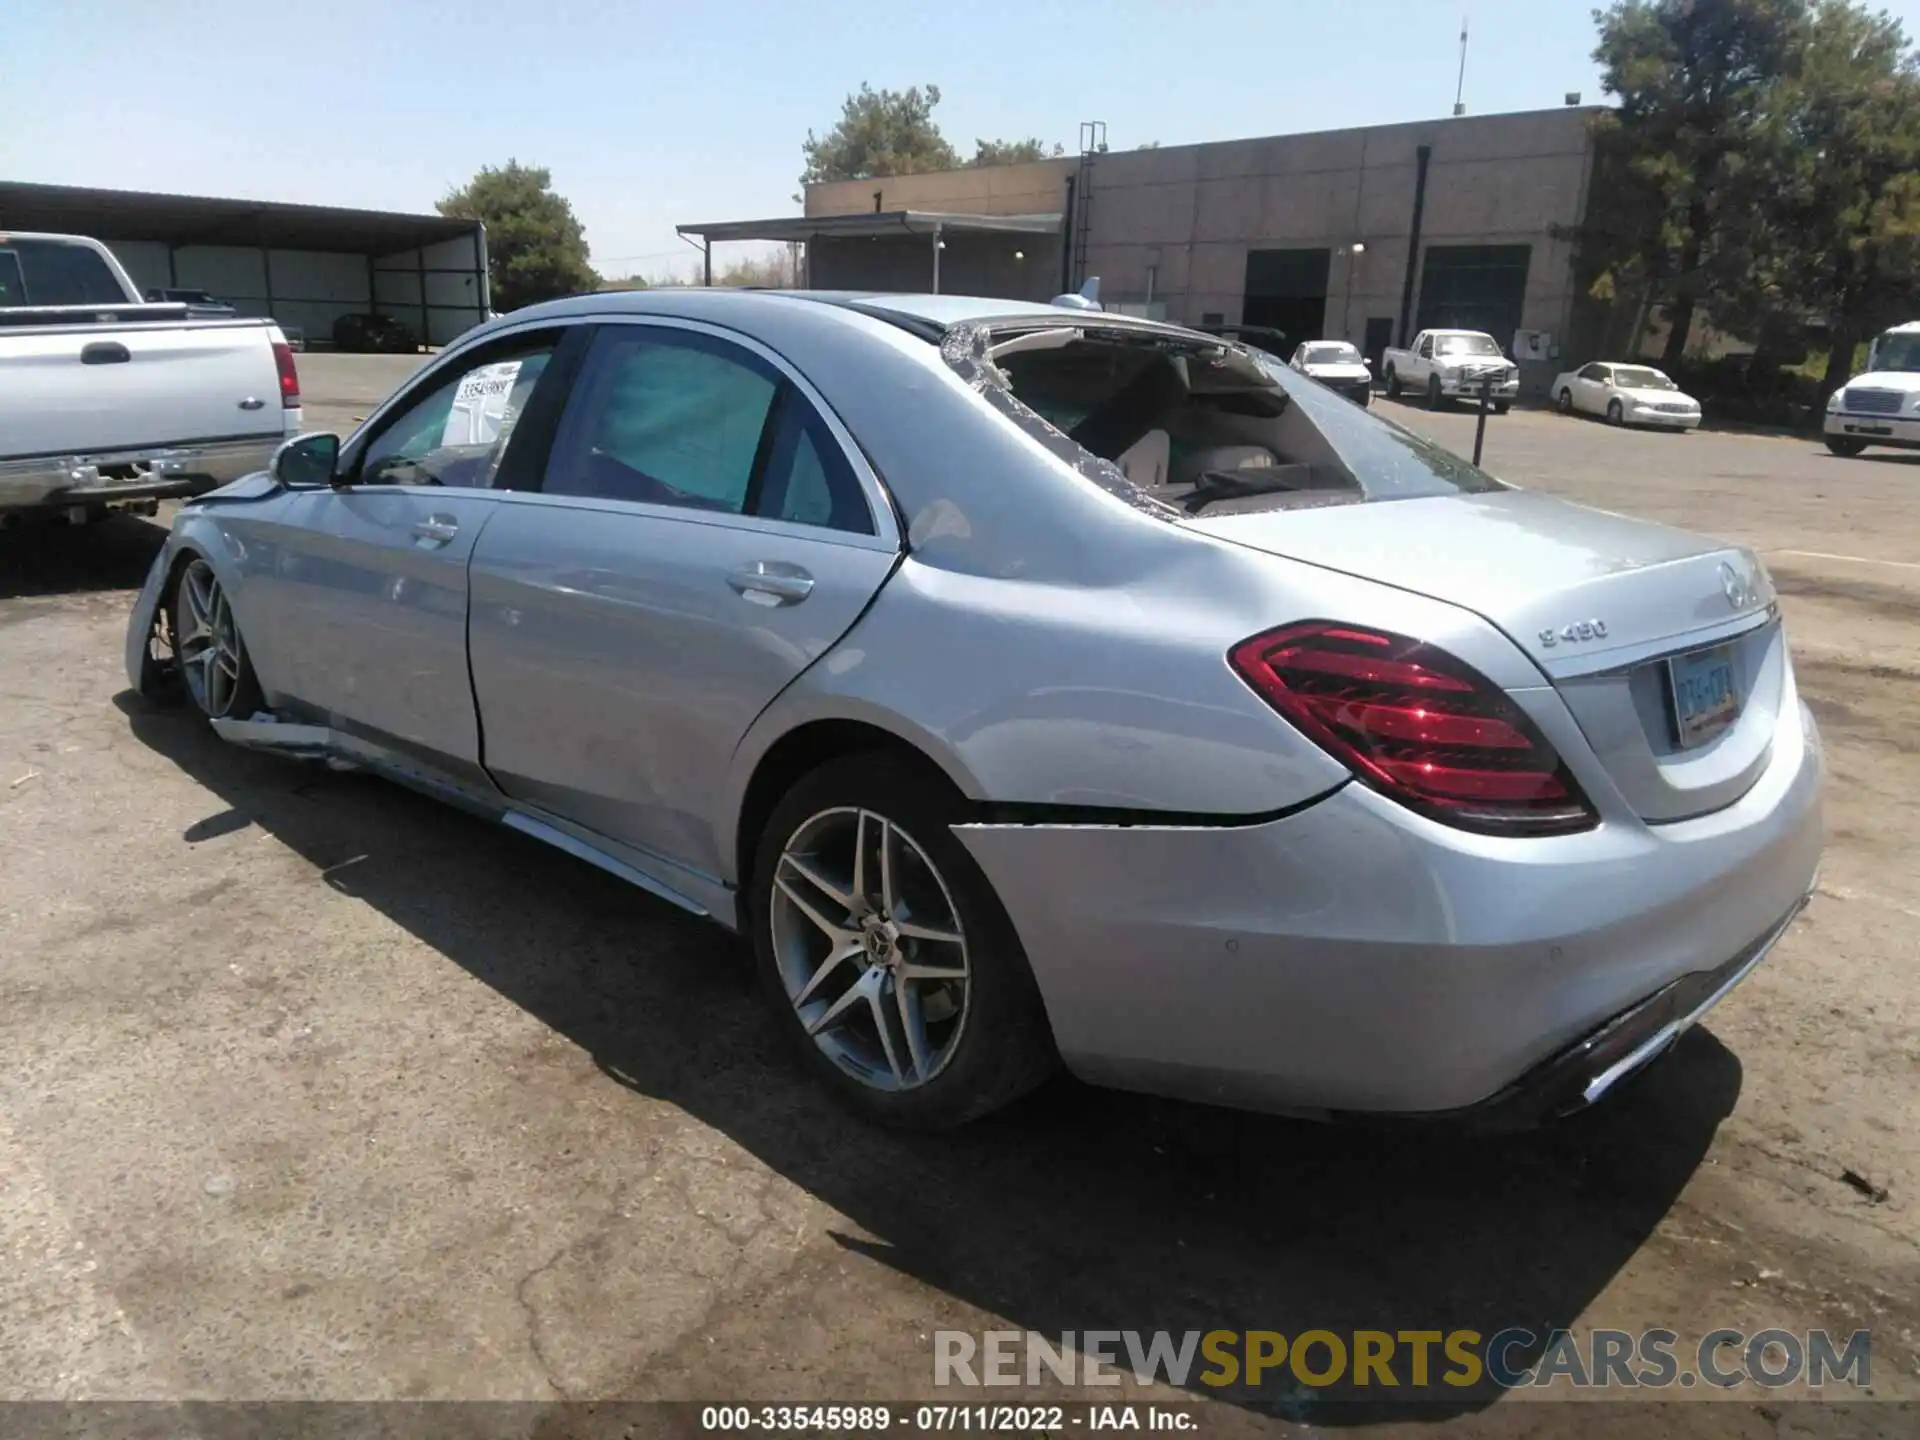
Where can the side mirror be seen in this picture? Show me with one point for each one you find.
(307, 460)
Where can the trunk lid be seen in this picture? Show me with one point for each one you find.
(163, 384)
(1599, 601)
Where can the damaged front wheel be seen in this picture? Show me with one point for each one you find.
(208, 651)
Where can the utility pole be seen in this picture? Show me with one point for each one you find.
(1460, 86)
(1354, 252)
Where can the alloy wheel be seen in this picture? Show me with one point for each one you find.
(870, 948)
(207, 645)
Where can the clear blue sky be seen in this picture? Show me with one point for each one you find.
(654, 114)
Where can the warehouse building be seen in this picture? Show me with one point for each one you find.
(304, 266)
(1366, 235)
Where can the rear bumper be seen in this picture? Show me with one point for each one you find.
(1587, 1070)
(1355, 957)
(154, 472)
(1891, 430)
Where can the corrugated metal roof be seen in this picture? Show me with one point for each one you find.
(207, 220)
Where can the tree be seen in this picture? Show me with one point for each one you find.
(772, 271)
(536, 248)
(1831, 204)
(880, 132)
(1615, 248)
(1694, 78)
(1013, 152)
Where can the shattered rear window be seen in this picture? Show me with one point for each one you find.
(965, 349)
(1178, 424)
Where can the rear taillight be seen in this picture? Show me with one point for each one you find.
(1417, 725)
(289, 376)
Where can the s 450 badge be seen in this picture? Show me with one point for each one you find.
(1574, 633)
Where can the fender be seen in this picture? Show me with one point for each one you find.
(197, 530)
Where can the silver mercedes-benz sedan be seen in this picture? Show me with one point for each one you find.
(1036, 685)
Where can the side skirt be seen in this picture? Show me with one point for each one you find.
(697, 894)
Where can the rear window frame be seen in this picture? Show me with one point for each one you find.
(965, 348)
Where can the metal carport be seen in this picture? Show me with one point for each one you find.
(905, 250)
(303, 265)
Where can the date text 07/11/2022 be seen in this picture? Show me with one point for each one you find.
(878, 1419)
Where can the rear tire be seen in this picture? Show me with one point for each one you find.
(837, 939)
(1845, 446)
(1565, 402)
(1393, 384)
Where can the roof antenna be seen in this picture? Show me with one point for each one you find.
(1088, 297)
(1460, 87)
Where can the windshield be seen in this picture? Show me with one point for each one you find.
(48, 272)
(1898, 352)
(1338, 354)
(1465, 345)
(1175, 422)
(1638, 377)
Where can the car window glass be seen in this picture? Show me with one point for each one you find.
(1426, 346)
(1243, 431)
(1594, 372)
(1898, 353)
(664, 417)
(808, 479)
(1639, 377)
(457, 433)
(52, 272)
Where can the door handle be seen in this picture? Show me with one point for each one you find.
(105, 352)
(771, 582)
(435, 530)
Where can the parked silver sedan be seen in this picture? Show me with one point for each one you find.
(1036, 686)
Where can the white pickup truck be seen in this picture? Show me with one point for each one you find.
(1881, 407)
(1448, 365)
(107, 402)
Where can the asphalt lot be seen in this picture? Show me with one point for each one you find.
(310, 1088)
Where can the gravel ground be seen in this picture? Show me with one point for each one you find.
(312, 1089)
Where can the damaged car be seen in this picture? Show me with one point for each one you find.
(1033, 687)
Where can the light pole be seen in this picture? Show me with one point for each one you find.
(1353, 253)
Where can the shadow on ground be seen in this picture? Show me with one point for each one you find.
(50, 557)
(1080, 1209)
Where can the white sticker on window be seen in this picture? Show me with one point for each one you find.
(480, 404)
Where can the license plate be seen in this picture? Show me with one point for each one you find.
(1705, 698)
(1869, 429)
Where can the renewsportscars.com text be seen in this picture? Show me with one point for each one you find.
(1384, 1360)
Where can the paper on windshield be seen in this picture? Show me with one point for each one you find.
(480, 404)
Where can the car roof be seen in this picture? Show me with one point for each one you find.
(940, 309)
(917, 311)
